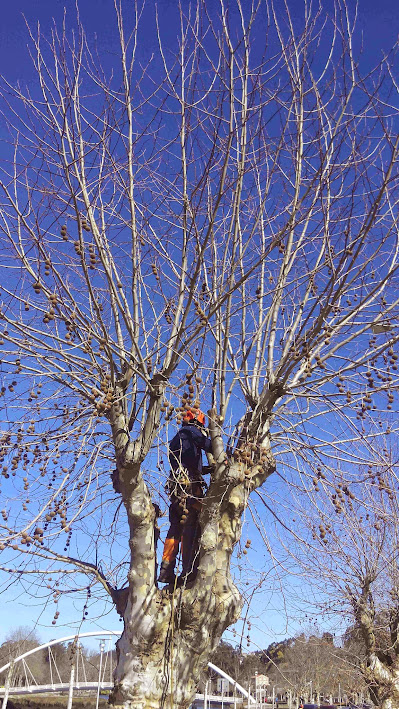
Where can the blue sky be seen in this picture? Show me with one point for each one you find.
(379, 24)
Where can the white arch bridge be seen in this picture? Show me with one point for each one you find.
(20, 677)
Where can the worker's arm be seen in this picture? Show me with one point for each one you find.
(200, 440)
(209, 453)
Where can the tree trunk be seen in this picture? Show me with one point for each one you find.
(381, 666)
(167, 643)
(383, 682)
(170, 634)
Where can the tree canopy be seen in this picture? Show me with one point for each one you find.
(215, 229)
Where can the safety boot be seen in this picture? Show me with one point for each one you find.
(166, 573)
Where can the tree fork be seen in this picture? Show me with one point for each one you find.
(170, 634)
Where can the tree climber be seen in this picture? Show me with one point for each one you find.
(186, 490)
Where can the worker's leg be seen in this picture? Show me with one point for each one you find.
(172, 541)
(190, 540)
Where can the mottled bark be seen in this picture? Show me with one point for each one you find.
(170, 634)
(166, 644)
(380, 668)
(382, 681)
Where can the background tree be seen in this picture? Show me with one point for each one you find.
(218, 229)
(353, 551)
(16, 643)
(313, 668)
(309, 667)
(227, 658)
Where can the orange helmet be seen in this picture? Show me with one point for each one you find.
(194, 415)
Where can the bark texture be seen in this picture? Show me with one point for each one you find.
(166, 644)
(169, 634)
(380, 668)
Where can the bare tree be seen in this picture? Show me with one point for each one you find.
(313, 668)
(353, 552)
(217, 228)
(17, 642)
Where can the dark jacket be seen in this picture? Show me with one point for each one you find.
(186, 448)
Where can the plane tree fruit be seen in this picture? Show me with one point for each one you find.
(214, 226)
